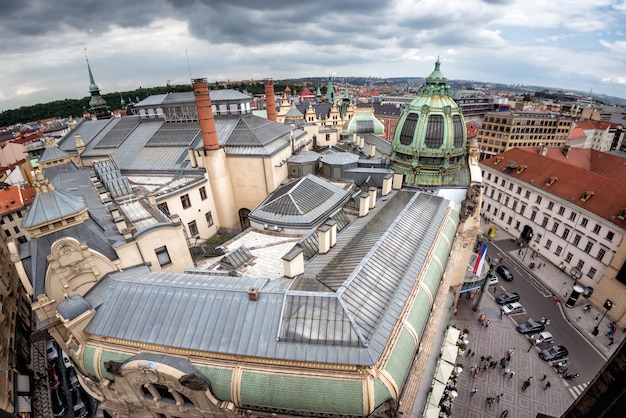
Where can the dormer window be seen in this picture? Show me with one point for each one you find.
(622, 214)
(586, 196)
(498, 160)
(521, 168)
(551, 180)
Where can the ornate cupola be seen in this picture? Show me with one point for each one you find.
(429, 144)
(97, 105)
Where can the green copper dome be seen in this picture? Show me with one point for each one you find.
(429, 143)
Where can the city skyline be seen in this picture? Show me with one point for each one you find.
(570, 45)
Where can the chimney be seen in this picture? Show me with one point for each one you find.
(332, 224)
(364, 206)
(371, 149)
(372, 197)
(293, 262)
(205, 113)
(397, 181)
(323, 237)
(386, 188)
(253, 293)
(270, 100)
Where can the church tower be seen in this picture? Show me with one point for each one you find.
(429, 145)
(97, 105)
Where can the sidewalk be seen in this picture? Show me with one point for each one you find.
(559, 284)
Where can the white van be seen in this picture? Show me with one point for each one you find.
(51, 349)
(66, 360)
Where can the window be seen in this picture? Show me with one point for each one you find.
(517, 224)
(580, 264)
(561, 210)
(193, 229)
(559, 250)
(514, 205)
(163, 256)
(184, 199)
(584, 222)
(572, 216)
(434, 132)
(510, 220)
(10, 217)
(522, 210)
(565, 233)
(600, 255)
(538, 201)
(16, 229)
(488, 175)
(548, 244)
(502, 216)
(527, 195)
(203, 193)
(519, 190)
(491, 193)
(510, 186)
(576, 240)
(503, 182)
(596, 229)
(538, 238)
(209, 219)
(544, 222)
(408, 130)
(550, 205)
(533, 215)
(555, 227)
(609, 236)
(588, 247)
(592, 272)
(488, 207)
(7, 233)
(163, 208)
(496, 180)
(506, 201)
(499, 196)
(19, 213)
(568, 257)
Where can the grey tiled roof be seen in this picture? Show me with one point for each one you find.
(304, 157)
(51, 154)
(368, 278)
(52, 205)
(340, 158)
(303, 203)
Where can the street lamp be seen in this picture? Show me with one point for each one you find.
(607, 306)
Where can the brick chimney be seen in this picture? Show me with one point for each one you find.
(270, 100)
(205, 113)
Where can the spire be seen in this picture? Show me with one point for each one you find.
(93, 87)
(122, 102)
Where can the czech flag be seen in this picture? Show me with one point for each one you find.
(478, 266)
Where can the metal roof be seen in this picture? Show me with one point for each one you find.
(51, 206)
(303, 203)
(372, 270)
(51, 154)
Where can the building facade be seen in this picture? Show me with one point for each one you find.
(567, 206)
(500, 132)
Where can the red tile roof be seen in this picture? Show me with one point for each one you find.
(15, 198)
(609, 195)
(577, 133)
(592, 124)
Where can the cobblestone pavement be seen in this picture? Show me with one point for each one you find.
(500, 336)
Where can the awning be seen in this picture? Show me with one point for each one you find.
(443, 372)
(436, 393)
(452, 336)
(450, 353)
(431, 411)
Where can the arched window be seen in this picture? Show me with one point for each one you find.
(458, 131)
(408, 129)
(434, 132)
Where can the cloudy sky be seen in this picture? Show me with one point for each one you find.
(570, 44)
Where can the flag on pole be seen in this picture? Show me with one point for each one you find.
(478, 266)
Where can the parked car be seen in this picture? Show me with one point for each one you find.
(530, 326)
(53, 378)
(52, 351)
(555, 352)
(505, 298)
(493, 281)
(80, 410)
(542, 338)
(505, 273)
(512, 308)
(66, 360)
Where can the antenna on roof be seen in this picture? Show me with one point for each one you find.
(188, 66)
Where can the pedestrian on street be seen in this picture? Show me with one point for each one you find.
(548, 384)
(487, 323)
(545, 376)
(473, 391)
(511, 375)
(501, 312)
(597, 316)
(504, 414)
(476, 370)
(498, 397)
(556, 301)
(507, 371)
(612, 341)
